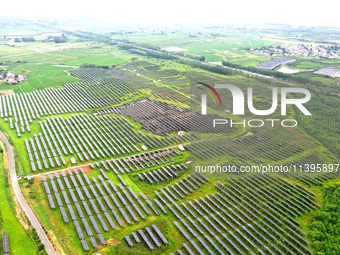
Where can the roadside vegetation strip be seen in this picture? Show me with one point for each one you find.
(38, 231)
(20, 242)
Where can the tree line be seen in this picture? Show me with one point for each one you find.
(325, 227)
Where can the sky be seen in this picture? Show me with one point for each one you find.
(296, 12)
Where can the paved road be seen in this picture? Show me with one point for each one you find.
(17, 192)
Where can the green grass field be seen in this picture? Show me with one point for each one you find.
(39, 61)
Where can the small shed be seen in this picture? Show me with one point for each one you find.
(73, 161)
(181, 133)
(181, 148)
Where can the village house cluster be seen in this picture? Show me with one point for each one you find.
(12, 78)
(299, 50)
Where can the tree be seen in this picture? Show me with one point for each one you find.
(41, 246)
(202, 58)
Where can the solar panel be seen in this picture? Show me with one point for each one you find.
(101, 204)
(73, 215)
(166, 195)
(87, 227)
(88, 181)
(189, 228)
(109, 219)
(93, 242)
(179, 209)
(152, 207)
(177, 192)
(128, 240)
(127, 219)
(115, 201)
(225, 246)
(181, 188)
(182, 230)
(139, 211)
(47, 188)
(143, 196)
(196, 209)
(160, 234)
(103, 173)
(198, 249)
(188, 209)
(80, 180)
(191, 184)
(106, 187)
(196, 226)
(61, 185)
(79, 210)
(112, 185)
(188, 249)
(79, 230)
(153, 237)
(122, 180)
(195, 181)
(94, 206)
(103, 223)
(59, 202)
(161, 206)
(75, 184)
(146, 240)
(94, 224)
(80, 194)
(205, 226)
(121, 198)
(120, 186)
(119, 220)
(245, 237)
(87, 193)
(205, 245)
(73, 196)
(5, 242)
(238, 240)
(143, 206)
(108, 202)
(102, 239)
(214, 244)
(100, 189)
(128, 196)
(51, 201)
(136, 237)
(173, 211)
(133, 193)
(67, 183)
(85, 246)
(211, 223)
(54, 187)
(93, 191)
(64, 215)
(87, 208)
